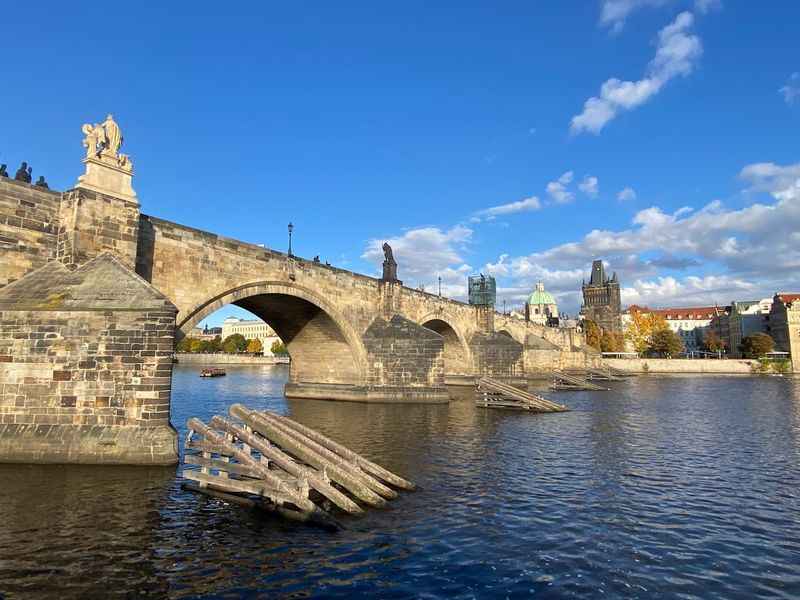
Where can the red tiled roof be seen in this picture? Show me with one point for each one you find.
(788, 298)
(636, 308)
(690, 312)
(681, 312)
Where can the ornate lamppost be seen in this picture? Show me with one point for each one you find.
(291, 228)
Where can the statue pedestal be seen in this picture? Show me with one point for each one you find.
(105, 175)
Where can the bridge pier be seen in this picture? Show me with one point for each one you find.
(86, 367)
(371, 394)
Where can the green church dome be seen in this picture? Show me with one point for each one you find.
(539, 296)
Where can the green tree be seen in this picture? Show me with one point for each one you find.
(593, 334)
(757, 345)
(234, 343)
(666, 342)
(185, 345)
(196, 345)
(216, 344)
(278, 348)
(254, 346)
(712, 342)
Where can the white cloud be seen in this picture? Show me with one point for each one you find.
(590, 186)
(626, 194)
(613, 13)
(708, 290)
(677, 52)
(731, 254)
(782, 182)
(704, 6)
(423, 254)
(524, 205)
(557, 190)
(791, 91)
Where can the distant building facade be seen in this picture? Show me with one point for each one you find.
(541, 307)
(207, 333)
(693, 323)
(690, 323)
(601, 299)
(251, 329)
(746, 318)
(784, 325)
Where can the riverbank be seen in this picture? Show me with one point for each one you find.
(682, 365)
(185, 358)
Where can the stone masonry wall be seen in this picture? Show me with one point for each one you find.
(91, 223)
(681, 365)
(86, 368)
(497, 355)
(68, 377)
(403, 354)
(28, 225)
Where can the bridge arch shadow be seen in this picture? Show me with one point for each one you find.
(457, 358)
(507, 334)
(321, 343)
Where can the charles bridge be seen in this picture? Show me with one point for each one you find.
(94, 295)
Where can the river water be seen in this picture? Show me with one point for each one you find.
(684, 487)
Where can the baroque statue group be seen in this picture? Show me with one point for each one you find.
(103, 141)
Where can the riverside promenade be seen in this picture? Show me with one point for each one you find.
(683, 365)
(201, 358)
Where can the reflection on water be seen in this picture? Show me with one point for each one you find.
(660, 488)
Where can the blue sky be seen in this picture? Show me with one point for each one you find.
(473, 136)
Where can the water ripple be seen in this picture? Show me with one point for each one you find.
(661, 488)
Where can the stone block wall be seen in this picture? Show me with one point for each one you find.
(678, 366)
(86, 367)
(497, 355)
(28, 227)
(784, 327)
(68, 378)
(91, 223)
(401, 353)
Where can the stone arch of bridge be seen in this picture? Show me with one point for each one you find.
(507, 333)
(323, 346)
(457, 356)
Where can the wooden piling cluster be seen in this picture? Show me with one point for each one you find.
(566, 381)
(496, 394)
(618, 372)
(602, 373)
(266, 460)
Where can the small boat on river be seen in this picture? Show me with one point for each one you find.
(212, 372)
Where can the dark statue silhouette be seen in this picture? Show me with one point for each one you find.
(389, 265)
